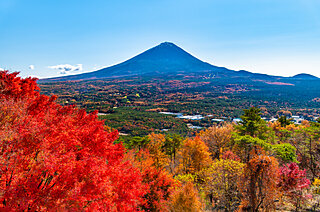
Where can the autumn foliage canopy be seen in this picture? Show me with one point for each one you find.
(59, 158)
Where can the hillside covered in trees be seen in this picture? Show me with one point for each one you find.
(58, 157)
(132, 105)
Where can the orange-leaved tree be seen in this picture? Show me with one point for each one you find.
(259, 183)
(155, 148)
(186, 199)
(59, 158)
(217, 138)
(194, 156)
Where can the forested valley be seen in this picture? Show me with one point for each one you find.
(133, 105)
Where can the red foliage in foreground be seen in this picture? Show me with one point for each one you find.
(160, 184)
(59, 158)
(292, 178)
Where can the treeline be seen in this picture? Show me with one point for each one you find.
(252, 166)
(217, 96)
(60, 158)
(132, 121)
(133, 103)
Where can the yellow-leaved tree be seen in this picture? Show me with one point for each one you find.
(155, 148)
(221, 184)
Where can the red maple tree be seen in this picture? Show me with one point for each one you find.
(293, 183)
(59, 158)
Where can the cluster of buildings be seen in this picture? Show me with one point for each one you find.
(294, 119)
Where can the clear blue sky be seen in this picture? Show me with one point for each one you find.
(279, 37)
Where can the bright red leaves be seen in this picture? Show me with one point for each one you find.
(59, 158)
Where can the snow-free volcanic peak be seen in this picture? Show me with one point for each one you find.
(165, 58)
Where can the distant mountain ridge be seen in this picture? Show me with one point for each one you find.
(162, 60)
(304, 76)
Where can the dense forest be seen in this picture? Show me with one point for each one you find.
(132, 105)
(59, 157)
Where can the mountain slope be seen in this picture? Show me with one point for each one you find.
(166, 58)
(304, 76)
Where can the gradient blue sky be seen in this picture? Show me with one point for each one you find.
(278, 37)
